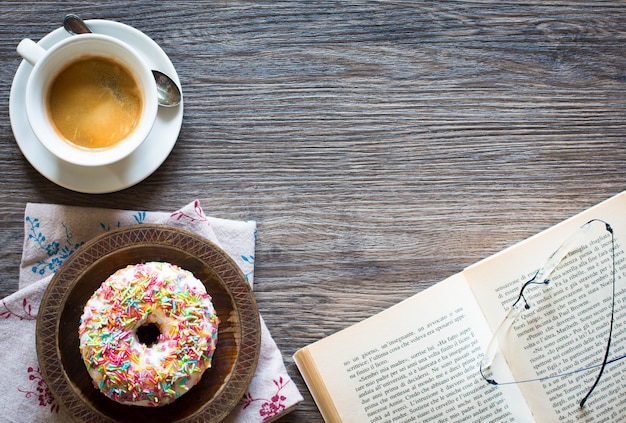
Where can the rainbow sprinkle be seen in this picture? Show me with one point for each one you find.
(129, 371)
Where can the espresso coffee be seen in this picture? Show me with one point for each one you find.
(94, 102)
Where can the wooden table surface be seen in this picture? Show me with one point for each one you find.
(380, 146)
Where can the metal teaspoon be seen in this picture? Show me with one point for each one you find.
(168, 92)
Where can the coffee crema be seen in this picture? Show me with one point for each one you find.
(94, 102)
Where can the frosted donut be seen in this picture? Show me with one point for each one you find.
(148, 334)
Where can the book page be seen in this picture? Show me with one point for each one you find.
(416, 361)
(571, 326)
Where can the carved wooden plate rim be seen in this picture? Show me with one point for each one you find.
(166, 240)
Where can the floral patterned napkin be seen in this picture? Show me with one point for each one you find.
(53, 233)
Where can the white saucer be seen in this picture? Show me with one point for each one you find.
(117, 176)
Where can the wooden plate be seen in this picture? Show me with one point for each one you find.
(239, 334)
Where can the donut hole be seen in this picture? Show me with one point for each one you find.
(148, 334)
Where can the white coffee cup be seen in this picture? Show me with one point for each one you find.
(46, 66)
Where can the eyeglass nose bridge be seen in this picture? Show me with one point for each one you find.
(521, 296)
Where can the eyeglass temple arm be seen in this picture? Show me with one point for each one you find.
(608, 342)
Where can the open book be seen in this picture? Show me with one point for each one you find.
(419, 360)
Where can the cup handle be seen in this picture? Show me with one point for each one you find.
(30, 51)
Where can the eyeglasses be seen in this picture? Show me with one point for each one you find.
(563, 316)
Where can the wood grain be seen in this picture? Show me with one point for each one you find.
(381, 146)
